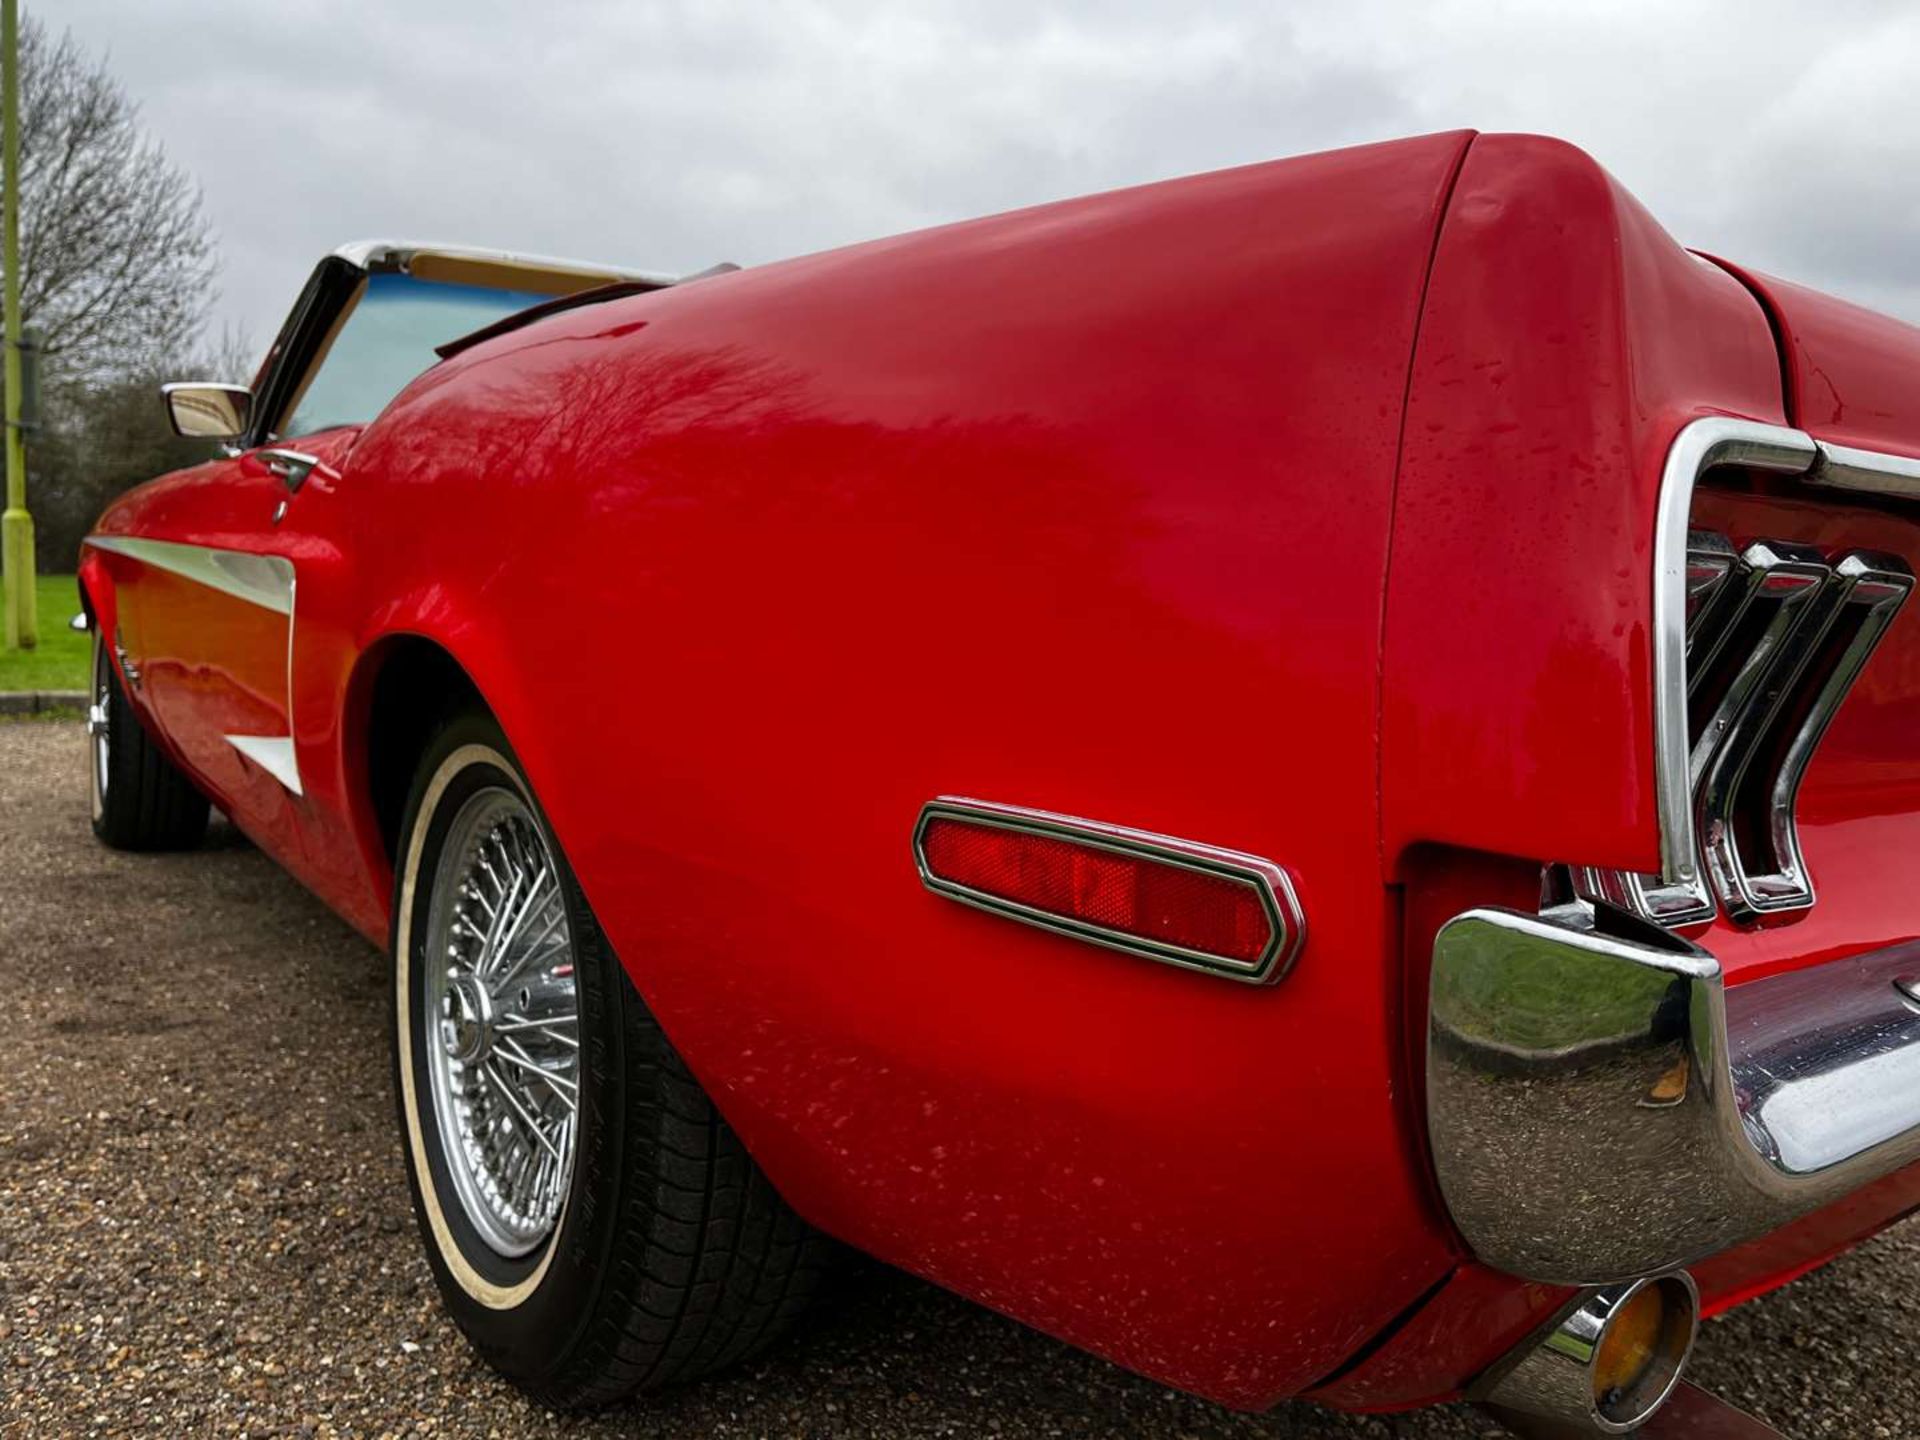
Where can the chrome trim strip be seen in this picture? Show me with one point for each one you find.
(1716, 440)
(1796, 580)
(263, 580)
(1711, 562)
(1601, 1106)
(1753, 885)
(1268, 880)
(399, 254)
(1842, 467)
(1880, 583)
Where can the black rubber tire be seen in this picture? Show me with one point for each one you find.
(147, 802)
(674, 1256)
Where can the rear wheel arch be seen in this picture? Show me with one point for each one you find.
(403, 689)
(679, 1257)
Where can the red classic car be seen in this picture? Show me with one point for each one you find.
(1405, 671)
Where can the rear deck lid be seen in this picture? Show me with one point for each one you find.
(1852, 374)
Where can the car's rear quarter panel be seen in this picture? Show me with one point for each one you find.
(1103, 508)
(1565, 342)
(1083, 508)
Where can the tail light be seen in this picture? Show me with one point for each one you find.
(1176, 901)
(1776, 634)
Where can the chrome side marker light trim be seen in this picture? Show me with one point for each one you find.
(1180, 902)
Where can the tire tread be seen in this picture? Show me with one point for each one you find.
(712, 1266)
(150, 803)
(706, 1265)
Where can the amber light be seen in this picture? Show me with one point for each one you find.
(1136, 895)
(1641, 1351)
(1630, 1343)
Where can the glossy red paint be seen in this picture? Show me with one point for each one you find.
(1303, 510)
(1557, 358)
(1476, 1312)
(1566, 340)
(1849, 370)
(997, 464)
(215, 663)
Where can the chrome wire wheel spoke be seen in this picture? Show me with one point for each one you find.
(99, 734)
(500, 1025)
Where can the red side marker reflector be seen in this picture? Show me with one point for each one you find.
(1172, 900)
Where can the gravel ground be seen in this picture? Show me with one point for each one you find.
(204, 1226)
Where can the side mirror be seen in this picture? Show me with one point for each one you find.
(208, 412)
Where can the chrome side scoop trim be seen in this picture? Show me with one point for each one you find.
(264, 580)
(273, 754)
(268, 581)
(1602, 1106)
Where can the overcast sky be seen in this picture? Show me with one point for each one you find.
(671, 135)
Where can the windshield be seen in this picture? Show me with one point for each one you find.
(387, 338)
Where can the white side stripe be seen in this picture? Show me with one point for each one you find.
(263, 580)
(273, 754)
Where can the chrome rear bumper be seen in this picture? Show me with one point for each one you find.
(1601, 1106)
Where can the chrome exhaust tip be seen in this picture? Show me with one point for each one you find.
(1603, 1367)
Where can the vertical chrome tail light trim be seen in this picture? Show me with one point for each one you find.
(1745, 612)
(1710, 562)
(1855, 609)
(1817, 625)
(1793, 604)
(1755, 659)
(1775, 637)
(1702, 445)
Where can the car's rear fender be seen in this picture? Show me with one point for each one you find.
(1085, 509)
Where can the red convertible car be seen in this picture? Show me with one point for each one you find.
(1303, 777)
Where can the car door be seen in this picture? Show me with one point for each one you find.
(209, 614)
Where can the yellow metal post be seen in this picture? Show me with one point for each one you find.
(16, 525)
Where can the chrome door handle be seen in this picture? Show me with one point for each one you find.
(292, 466)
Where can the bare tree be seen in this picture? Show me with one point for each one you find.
(116, 257)
(116, 270)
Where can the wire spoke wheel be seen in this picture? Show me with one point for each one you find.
(99, 725)
(500, 1024)
(594, 1225)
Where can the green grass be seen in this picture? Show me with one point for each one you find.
(1551, 1002)
(59, 661)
